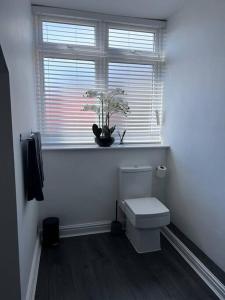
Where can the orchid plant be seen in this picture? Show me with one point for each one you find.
(107, 104)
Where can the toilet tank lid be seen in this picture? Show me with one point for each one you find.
(135, 169)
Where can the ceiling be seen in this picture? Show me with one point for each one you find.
(154, 9)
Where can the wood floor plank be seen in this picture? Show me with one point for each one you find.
(103, 267)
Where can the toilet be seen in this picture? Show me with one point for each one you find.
(144, 215)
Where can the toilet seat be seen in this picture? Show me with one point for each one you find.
(146, 212)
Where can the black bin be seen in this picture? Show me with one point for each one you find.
(50, 233)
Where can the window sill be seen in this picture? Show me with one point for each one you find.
(96, 147)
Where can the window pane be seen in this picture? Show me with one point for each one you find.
(143, 96)
(72, 34)
(65, 82)
(131, 40)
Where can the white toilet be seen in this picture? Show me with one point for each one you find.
(144, 214)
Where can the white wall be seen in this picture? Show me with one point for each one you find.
(195, 124)
(16, 40)
(155, 9)
(81, 185)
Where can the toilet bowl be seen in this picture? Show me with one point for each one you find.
(144, 215)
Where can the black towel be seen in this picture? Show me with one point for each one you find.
(33, 166)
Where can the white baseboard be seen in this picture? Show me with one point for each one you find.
(31, 289)
(84, 229)
(207, 276)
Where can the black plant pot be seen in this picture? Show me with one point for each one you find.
(103, 141)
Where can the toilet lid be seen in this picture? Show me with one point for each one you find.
(146, 206)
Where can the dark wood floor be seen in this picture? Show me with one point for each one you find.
(102, 267)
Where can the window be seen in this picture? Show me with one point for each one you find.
(90, 51)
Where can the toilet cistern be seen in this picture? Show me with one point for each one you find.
(144, 214)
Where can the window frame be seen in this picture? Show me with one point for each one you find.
(44, 46)
(101, 54)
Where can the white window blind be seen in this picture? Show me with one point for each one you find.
(75, 54)
(131, 40)
(139, 83)
(63, 118)
(71, 34)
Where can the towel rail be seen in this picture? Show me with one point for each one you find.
(27, 138)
